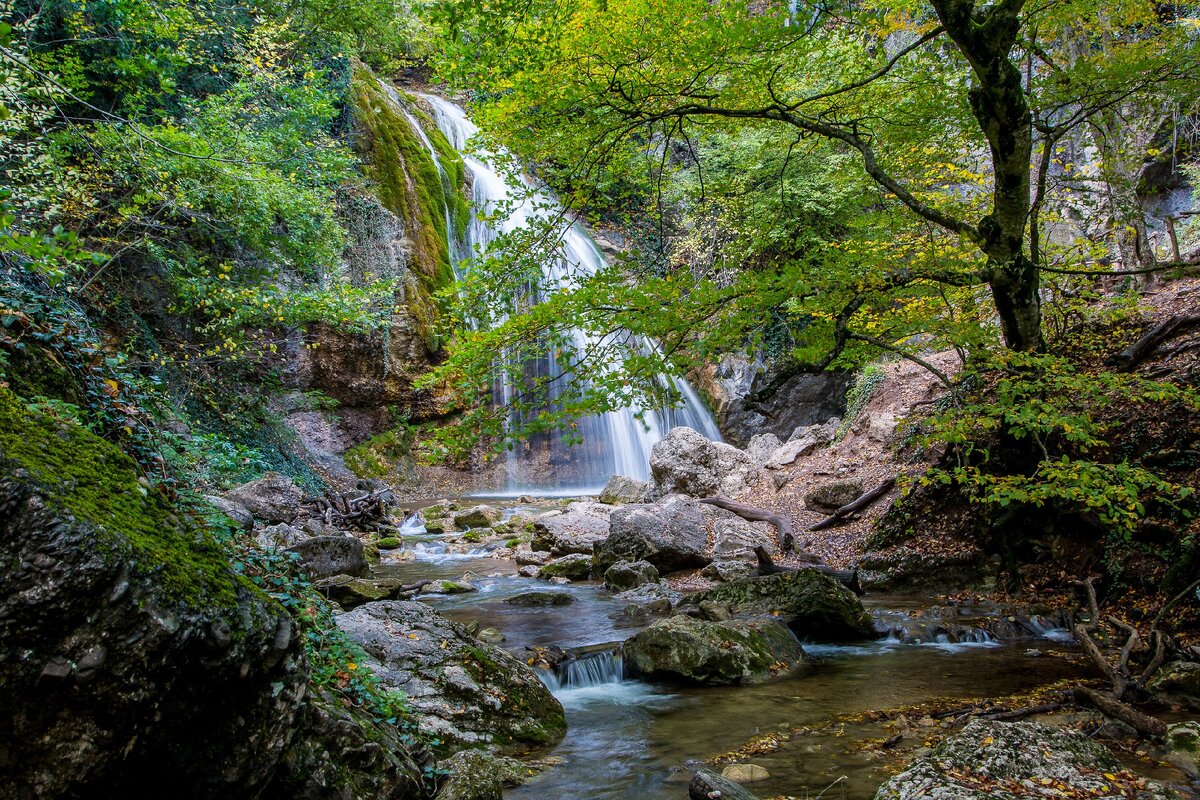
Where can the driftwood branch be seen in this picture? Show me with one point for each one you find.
(1148, 726)
(863, 501)
(787, 537)
(1143, 348)
(349, 508)
(846, 577)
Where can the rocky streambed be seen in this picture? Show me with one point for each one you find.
(651, 694)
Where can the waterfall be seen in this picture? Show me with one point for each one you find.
(616, 442)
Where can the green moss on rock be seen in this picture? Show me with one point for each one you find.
(94, 482)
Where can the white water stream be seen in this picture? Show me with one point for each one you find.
(616, 442)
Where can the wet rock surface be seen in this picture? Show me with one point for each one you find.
(714, 653)
(462, 691)
(630, 575)
(812, 604)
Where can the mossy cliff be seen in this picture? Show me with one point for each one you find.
(406, 179)
(129, 649)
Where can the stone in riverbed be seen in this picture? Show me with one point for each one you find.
(629, 575)
(671, 534)
(811, 603)
(563, 533)
(977, 763)
(479, 775)
(708, 785)
(482, 516)
(725, 571)
(462, 691)
(576, 566)
(1178, 682)
(541, 599)
(745, 773)
(621, 489)
(689, 650)
(650, 598)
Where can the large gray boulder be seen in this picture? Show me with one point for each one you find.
(671, 534)
(576, 566)
(482, 516)
(829, 497)
(271, 498)
(462, 692)
(736, 538)
(685, 462)
(649, 598)
(682, 648)
(813, 604)
(762, 446)
(987, 757)
(573, 531)
(621, 489)
(325, 556)
(629, 575)
(236, 512)
(130, 650)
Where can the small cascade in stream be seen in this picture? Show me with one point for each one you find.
(616, 442)
(586, 672)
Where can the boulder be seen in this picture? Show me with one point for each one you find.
(629, 575)
(685, 462)
(814, 605)
(987, 756)
(1178, 682)
(689, 650)
(1182, 743)
(787, 453)
(271, 498)
(526, 557)
(570, 532)
(480, 775)
(482, 516)
(736, 539)
(541, 599)
(130, 650)
(350, 592)
(745, 773)
(529, 571)
(449, 587)
(650, 598)
(621, 489)
(725, 571)
(279, 537)
(323, 556)
(762, 446)
(576, 566)
(823, 434)
(671, 534)
(830, 497)
(462, 692)
(340, 745)
(236, 512)
(389, 543)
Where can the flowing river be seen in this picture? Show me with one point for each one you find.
(630, 739)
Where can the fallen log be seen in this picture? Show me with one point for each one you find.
(1143, 348)
(1108, 705)
(708, 785)
(787, 538)
(859, 504)
(846, 577)
(1021, 713)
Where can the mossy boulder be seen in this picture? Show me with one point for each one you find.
(576, 566)
(462, 692)
(1178, 682)
(690, 650)
(481, 516)
(541, 599)
(480, 775)
(129, 649)
(814, 605)
(630, 575)
(389, 543)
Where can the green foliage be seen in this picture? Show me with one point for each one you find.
(211, 460)
(1036, 435)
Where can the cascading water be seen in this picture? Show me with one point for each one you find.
(616, 442)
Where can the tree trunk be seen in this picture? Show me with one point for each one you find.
(986, 37)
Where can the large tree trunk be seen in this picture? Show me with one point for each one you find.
(986, 37)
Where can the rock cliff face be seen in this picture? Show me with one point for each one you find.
(131, 655)
(806, 398)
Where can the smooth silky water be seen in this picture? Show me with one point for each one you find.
(631, 740)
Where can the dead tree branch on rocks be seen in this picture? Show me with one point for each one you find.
(1144, 347)
(863, 501)
(787, 537)
(349, 508)
(1126, 683)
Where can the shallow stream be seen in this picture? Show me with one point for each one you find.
(628, 739)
